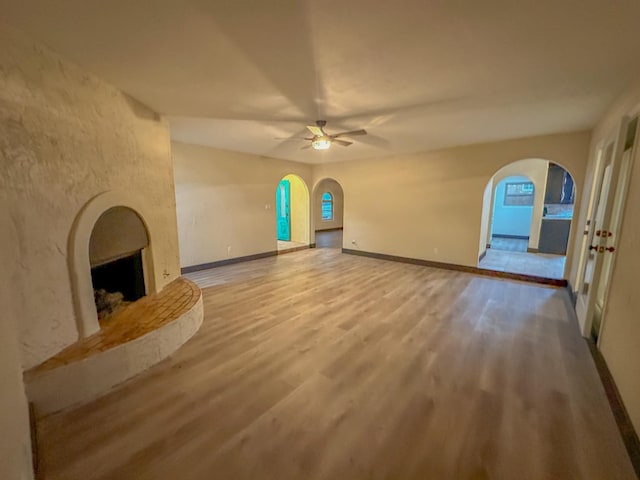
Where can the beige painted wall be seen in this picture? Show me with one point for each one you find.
(429, 205)
(334, 188)
(65, 137)
(299, 208)
(536, 170)
(227, 199)
(620, 339)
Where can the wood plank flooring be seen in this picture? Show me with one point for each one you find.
(319, 365)
(328, 238)
(538, 264)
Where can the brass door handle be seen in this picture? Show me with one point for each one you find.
(599, 249)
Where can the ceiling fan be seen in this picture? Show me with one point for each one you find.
(321, 140)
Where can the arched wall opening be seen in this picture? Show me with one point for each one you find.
(328, 213)
(551, 194)
(336, 217)
(292, 212)
(110, 228)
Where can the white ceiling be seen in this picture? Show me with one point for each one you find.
(417, 74)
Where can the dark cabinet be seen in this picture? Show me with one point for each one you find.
(554, 236)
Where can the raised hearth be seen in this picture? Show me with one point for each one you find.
(137, 337)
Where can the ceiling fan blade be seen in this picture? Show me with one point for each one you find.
(352, 133)
(317, 131)
(293, 138)
(305, 147)
(341, 142)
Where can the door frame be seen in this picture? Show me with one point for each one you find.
(585, 303)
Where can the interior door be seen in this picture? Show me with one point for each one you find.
(283, 208)
(591, 256)
(602, 230)
(612, 234)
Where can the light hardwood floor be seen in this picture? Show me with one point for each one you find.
(329, 238)
(320, 365)
(538, 264)
(510, 255)
(284, 245)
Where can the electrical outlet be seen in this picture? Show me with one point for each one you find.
(435, 250)
(228, 249)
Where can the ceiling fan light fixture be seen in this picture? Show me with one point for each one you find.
(321, 140)
(321, 143)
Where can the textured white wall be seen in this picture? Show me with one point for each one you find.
(15, 441)
(66, 136)
(118, 232)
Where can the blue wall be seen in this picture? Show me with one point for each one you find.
(507, 219)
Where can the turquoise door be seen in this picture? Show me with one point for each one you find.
(283, 200)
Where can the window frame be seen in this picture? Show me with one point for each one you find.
(328, 202)
(522, 198)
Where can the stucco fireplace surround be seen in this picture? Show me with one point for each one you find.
(109, 229)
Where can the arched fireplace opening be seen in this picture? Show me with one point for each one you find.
(105, 230)
(116, 252)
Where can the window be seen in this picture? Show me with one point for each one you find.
(327, 206)
(518, 194)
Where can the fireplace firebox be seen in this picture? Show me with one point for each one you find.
(116, 250)
(124, 275)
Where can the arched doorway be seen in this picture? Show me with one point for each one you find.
(292, 213)
(526, 219)
(328, 205)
